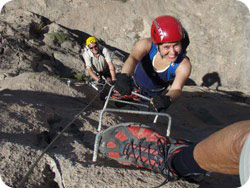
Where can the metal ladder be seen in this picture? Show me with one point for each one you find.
(105, 109)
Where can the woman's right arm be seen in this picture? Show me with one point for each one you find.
(141, 48)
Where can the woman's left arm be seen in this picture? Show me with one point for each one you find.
(181, 75)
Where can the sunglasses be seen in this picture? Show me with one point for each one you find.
(96, 46)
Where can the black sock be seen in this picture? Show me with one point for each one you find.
(184, 162)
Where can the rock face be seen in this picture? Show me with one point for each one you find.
(218, 29)
(29, 43)
(40, 49)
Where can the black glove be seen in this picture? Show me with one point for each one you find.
(112, 82)
(123, 84)
(101, 81)
(161, 103)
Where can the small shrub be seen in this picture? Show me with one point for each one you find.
(137, 36)
(58, 37)
(81, 76)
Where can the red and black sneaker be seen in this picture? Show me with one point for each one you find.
(140, 146)
(130, 97)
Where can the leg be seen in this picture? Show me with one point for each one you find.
(220, 152)
(142, 147)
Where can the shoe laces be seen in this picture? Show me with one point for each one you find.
(149, 156)
(160, 156)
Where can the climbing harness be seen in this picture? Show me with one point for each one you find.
(105, 109)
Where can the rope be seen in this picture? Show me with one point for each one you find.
(53, 141)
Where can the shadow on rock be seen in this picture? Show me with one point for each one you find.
(210, 79)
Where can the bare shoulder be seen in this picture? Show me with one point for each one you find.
(144, 41)
(186, 61)
(185, 66)
(141, 48)
(144, 44)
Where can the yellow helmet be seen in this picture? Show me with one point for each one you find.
(90, 40)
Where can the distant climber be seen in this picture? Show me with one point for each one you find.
(98, 61)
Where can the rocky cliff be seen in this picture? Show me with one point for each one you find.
(218, 29)
(40, 49)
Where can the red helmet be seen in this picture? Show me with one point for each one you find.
(166, 29)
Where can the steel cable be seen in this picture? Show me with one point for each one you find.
(20, 185)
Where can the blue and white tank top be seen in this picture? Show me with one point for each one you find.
(152, 83)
